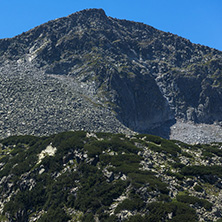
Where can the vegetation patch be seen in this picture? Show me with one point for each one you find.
(174, 211)
(203, 171)
(195, 201)
(134, 204)
(86, 176)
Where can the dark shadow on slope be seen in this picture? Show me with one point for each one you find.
(163, 130)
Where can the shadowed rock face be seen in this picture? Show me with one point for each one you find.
(140, 102)
(89, 71)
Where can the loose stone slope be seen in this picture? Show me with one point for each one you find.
(89, 71)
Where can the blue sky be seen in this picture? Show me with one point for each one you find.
(200, 21)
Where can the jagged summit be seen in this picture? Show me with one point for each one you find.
(94, 12)
(89, 71)
(89, 17)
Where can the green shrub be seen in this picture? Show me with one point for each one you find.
(170, 147)
(104, 135)
(118, 160)
(93, 150)
(155, 148)
(186, 154)
(177, 175)
(88, 217)
(164, 197)
(202, 170)
(177, 165)
(95, 191)
(15, 140)
(108, 218)
(130, 204)
(210, 150)
(136, 218)
(55, 214)
(140, 178)
(68, 140)
(207, 154)
(151, 138)
(114, 144)
(198, 188)
(118, 145)
(182, 144)
(195, 200)
(158, 211)
(162, 145)
(26, 200)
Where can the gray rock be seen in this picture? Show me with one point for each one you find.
(96, 73)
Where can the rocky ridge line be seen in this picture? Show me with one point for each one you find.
(140, 77)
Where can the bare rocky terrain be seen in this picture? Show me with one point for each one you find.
(42, 104)
(91, 72)
(109, 84)
(196, 133)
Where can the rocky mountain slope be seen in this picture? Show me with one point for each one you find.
(80, 176)
(93, 72)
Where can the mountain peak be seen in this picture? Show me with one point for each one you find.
(119, 75)
(92, 12)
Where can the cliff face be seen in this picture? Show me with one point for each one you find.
(110, 74)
